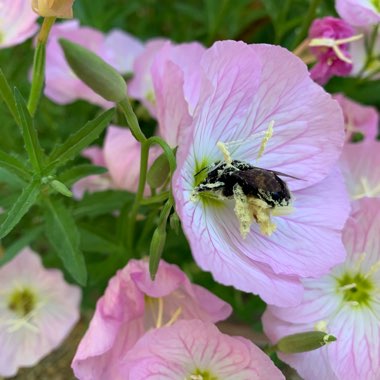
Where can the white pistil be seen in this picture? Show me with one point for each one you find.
(348, 287)
(335, 45)
(367, 190)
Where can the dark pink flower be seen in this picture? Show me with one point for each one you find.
(131, 306)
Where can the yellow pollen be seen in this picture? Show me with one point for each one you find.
(267, 137)
(334, 44)
(226, 154)
(321, 326)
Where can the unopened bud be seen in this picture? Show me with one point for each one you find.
(95, 72)
(53, 8)
(60, 188)
(174, 222)
(158, 172)
(155, 252)
(303, 342)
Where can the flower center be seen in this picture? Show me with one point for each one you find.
(356, 289)
(367, 189)
(22, 302)
(202, 375)
(155, 308)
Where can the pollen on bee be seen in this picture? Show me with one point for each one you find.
(248, 210)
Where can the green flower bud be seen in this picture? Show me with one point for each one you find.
(174, 222)
(158, 172)
(156, 248)
(60, 188)
(302, 342)
(95, 72)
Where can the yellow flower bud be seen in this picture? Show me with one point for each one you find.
(53, 8)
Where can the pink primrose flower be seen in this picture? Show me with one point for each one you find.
(196, 350)
(358, 118)
(62, 86)
(131, 306)
(360, 165)
(329, 42)
(38, 309)
(359, 12)
(17, 21)
(344, 303)
(253, 111)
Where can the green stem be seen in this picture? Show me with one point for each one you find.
(39, 65)
(159, 198)
(132, 120)
(307, 21)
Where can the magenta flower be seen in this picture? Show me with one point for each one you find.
(278, 120)
(329, 42)
(132, 305)
(17, 22)
(360, 165)
(62, 86)
(37, 311)
(359, 12)
(196, 350)
(345, 303)
(358, 118)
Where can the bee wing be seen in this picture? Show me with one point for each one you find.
(285, 175)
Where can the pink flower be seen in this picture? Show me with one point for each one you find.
(166, 72)
(196, 350)
(358, 118)
(277, 120)
(345, 303)
(62, 86)
(329, 42)
(37, 311)
(360, 165)
(359, 12)
(17, 22)
(132, 305)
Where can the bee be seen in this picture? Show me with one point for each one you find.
(255, 182)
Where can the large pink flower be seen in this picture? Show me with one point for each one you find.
(359, 12)
(245, 89)
(132, 305)
(345, 303)
(360, 165)
(17, 22)
(117, 48)
(358, 118)
(37, 311)
(196, 350)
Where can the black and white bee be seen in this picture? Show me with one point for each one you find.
(255, 182)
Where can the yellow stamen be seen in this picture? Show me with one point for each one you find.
(266, 138)
(160, 313)
(374, 268)
(226, 154)
(348, 287)
(174, 317)
(321, 326)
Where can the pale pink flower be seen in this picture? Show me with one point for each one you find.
(345, 303)
(327, 36)
(37, 311)
(196, 350)
(358, 118)
(244, 90)
(17, 22)
(132, 305)
(62, 86)
(359, 12)
(170, 73)
(360, 165)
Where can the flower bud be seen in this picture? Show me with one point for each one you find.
(96, 73)
(302, 342)
(158, 172)
(53, 8)
(61, 188)
(156, 247)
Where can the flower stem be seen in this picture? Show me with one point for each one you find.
(39, 65)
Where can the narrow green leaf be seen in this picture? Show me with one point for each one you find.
(29, 134)
(63, 235)
(74, 174)
(13, 165)
(26, 200)
(7, 95)
(79, 140)
(17, 246)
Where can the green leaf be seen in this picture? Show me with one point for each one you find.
(16, 247)
(63, 235)
(79, 140)
(29, 134)
(7, 95)
(74, 174)
(26, 200)
(13, 165)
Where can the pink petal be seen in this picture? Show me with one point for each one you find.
(358, 12)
